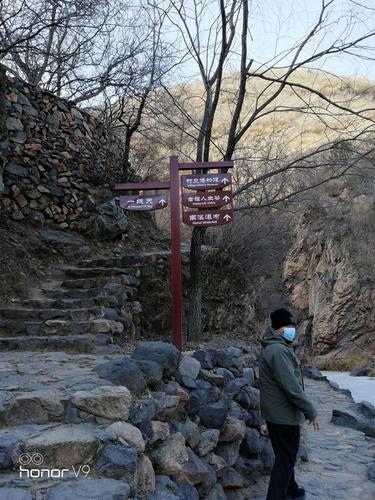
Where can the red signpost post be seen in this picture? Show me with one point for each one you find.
(211, 194)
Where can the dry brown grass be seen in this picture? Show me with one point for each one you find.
(296, 129)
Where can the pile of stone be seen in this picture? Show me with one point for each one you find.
(163, 426)
(53, 151)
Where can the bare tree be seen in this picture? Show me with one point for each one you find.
(74, 48)
(215, 35)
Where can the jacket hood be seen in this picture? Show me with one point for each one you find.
(271, 336)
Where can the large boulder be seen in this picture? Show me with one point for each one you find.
(234, 430)
(108, 222)
(189, 367)
(348, 418)
(167, 355)
(106, 401)
(123, 371)
(152, 372)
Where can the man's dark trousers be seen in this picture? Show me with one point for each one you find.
(285, 443)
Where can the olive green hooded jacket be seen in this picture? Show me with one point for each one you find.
(282, 396)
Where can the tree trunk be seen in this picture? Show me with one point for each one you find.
(194, 326)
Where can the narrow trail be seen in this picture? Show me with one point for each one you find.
(338, 456)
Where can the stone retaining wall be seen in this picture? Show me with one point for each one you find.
(53, 156)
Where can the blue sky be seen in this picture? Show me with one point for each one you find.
(277, 25)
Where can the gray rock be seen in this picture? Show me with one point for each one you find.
(123, 371)
(216, 493)
(366, 409)
(204, 358)
(15, 494)
(152, 372)
(234, 386)
(118, 461)
(312, 372)
(93, 489)
(208, 441)
(223, 372)
(127, 434)
(171, 456)
(143, 410)
(234, 430)
(106, 401)
(15, 169)
(166, 405)
(371, 472)
(189, 430)
(8, 446)
(248, 398)
(162, 352)
(166, 489)
(108, 222)
(232, 479)
(229, 451)
(189, 367)
(146, 477)
(64, 446)
(361, 372)
(212, 377)
(250, 446)
(14, 123)
(160, 431)
(217, 463)
(348, 418)
(37, 407)
(213, 415)
(37, 219)
(19, 137)
(248, 374)
(193, 471)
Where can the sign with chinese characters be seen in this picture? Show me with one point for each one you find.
(206, 181)
(207, 199)
(143, 202)
(207, 218)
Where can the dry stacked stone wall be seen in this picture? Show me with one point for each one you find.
(53, 156)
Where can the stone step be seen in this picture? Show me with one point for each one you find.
(100, 281)
(44, 314)
(69, 293)
(93, 272)
(135, 259)
(59, 327)
(69, 303)
(68, 343)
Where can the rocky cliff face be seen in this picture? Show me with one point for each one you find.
(329, 273)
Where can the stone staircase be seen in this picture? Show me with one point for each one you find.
(83, 310)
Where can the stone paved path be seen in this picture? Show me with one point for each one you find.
(338, 456)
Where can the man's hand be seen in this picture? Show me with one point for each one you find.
(316, 423)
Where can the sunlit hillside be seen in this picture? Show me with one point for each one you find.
(295, 121)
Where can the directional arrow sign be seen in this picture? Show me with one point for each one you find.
(207, 217)
(206, 181)
(207, 199)
(143, 202)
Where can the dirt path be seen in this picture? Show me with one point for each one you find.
(338, 456)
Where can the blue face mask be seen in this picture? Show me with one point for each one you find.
(289, 333)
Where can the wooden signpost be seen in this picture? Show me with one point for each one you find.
(213, 190)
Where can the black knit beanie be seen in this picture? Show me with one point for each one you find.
(282, 317)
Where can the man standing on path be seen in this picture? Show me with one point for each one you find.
(283, 403)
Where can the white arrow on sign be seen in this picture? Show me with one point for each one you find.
(225, 180)
(162, 201)
(227, 217)
(226, 198)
